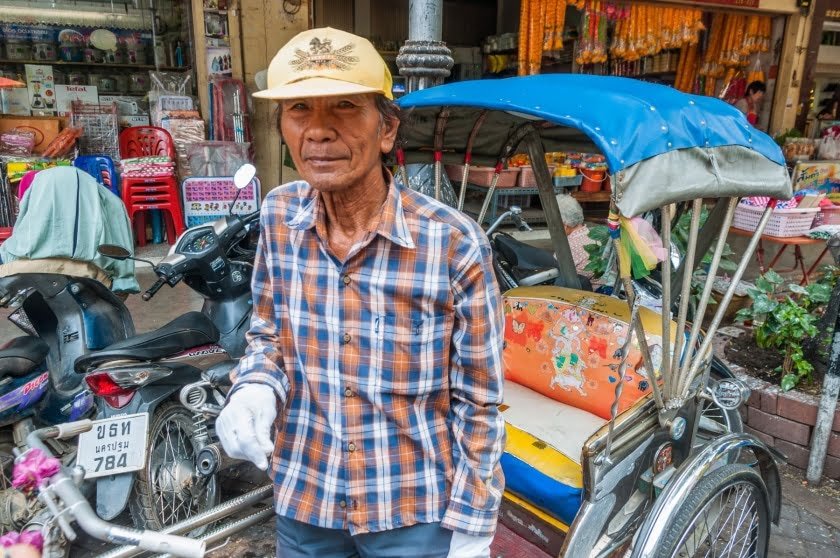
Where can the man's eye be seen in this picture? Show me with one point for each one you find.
(346, 105)
(298, 106)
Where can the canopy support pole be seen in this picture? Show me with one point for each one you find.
(559, 241)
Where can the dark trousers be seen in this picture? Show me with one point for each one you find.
(301, 540)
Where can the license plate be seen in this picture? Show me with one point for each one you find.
(114, 445)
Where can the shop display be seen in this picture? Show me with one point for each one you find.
(799, 149)
(66, 94)
(207, 199)
(101, 129)
(41, 88)
(717, 54)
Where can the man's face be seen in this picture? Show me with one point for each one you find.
(336, 142)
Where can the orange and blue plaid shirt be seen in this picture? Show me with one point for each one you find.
(387, 366)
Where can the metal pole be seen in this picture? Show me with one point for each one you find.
(425, 20)
(825, 412)
(424, 59)
(831, 387)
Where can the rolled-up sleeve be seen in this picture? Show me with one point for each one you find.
(263, 360)
(476, 380)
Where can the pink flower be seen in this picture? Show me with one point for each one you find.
(32, 538)
(34, 468)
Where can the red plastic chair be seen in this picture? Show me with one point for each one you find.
(148, 193)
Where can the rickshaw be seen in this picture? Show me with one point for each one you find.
(603, 398)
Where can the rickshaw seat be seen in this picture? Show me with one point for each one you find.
(542, 459)
(566, 345)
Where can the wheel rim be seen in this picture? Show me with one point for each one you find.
(176, 490)
(729, 525)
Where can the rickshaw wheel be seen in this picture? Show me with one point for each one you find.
(727, 515)
(715, 421)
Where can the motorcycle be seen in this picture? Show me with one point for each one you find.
(66, 311)
(144, 447)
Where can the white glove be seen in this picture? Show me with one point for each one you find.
(244, 425)
(469, 546)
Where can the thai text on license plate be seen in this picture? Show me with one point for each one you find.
(114, 445)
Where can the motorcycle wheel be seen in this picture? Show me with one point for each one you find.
(169, 489)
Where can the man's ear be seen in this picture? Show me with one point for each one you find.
(388, 134)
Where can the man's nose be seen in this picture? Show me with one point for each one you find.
(320, 128)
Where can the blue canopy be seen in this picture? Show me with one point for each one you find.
(661, 146)
(629, 120)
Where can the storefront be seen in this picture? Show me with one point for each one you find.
(822, 71)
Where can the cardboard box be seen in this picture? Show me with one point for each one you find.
(133, 120)
(66, 94)
(46, 127)
(15, 101)
(41, 84)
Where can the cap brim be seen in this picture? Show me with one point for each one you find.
(315, 87)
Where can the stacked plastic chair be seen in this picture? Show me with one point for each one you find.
(147, 193)
(101, 167)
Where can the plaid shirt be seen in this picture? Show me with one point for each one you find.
(387, 366)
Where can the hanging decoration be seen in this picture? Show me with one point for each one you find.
(733, 40)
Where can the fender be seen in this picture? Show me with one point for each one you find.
(112, 492)
(687, 477)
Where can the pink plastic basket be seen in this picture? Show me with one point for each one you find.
(483, 176)
(527, 178)
(783, 222)
(831, 215)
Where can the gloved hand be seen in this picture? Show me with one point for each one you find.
(244, 425)
(469, 546)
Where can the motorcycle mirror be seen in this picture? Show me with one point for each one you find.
(244, 175)
(113, 251)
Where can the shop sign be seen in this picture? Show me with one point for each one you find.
(733, 3)
(817, 175)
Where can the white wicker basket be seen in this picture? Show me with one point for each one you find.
(782, 223)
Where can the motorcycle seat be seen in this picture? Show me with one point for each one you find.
(185, 332)
(21, 355)
(522, 255)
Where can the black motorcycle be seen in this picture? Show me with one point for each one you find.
(144, 447)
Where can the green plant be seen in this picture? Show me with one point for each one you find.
(791, 133)
(597, 261)
(783, 320)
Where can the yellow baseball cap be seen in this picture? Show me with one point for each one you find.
(325, 62)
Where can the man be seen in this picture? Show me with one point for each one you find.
(375, 344)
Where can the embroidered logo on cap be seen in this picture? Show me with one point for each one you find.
(322, 56)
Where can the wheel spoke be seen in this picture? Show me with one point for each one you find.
(726, 526)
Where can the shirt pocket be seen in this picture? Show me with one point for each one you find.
(412, 353)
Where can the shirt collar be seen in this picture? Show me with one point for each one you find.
(392, 224)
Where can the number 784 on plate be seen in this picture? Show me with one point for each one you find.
(114, 446)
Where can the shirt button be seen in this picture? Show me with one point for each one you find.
(351, 447)
(346, 279)
(348, 392)
(343, 504)
(346, 338)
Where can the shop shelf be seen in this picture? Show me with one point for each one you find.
(96, 65)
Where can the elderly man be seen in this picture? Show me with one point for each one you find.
(375, 344)
(576, 231)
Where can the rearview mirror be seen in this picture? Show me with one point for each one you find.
(244, 175)
(113, 251)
